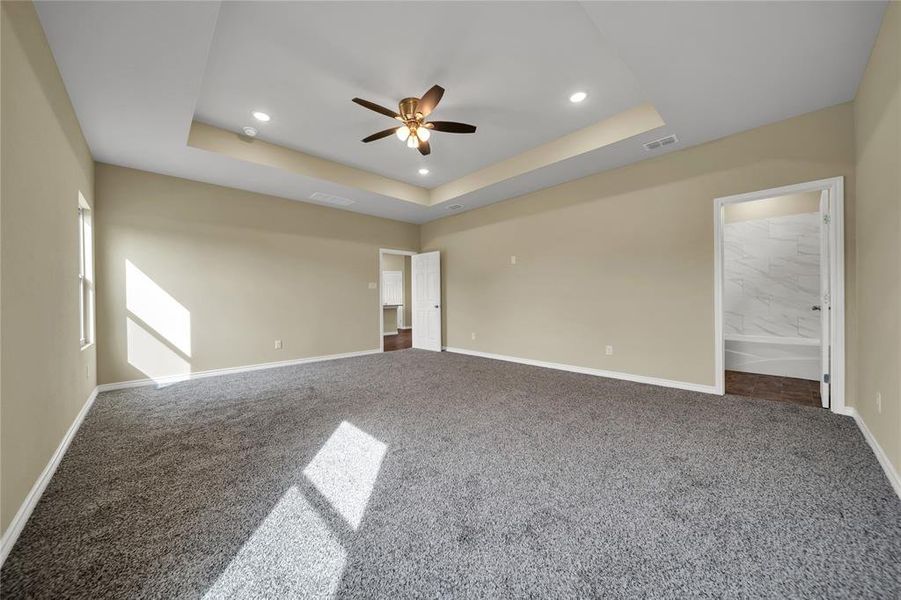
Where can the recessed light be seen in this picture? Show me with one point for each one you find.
(578, 97)
(423, 171)
(250, 132)
(261, 116)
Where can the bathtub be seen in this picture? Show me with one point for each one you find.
(787, 357)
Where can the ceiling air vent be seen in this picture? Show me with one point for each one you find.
(331, 199)
(664, 141)
(455, 207)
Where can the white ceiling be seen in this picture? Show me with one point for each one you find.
(139, 72)
(303, 62)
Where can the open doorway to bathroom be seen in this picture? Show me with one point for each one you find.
(395, 295)
(779, 294)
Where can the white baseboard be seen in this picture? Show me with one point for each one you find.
(18, 523)
(387, 333)
(405, 328)
(21, 517)
(670, 383)
(881, 456)
(119, 385)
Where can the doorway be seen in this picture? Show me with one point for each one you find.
(395, 305)
(779, 294)
(409, 300)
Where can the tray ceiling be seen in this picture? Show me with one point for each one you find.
(143, 76)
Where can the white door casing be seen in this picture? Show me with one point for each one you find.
(825, 300)
(380, 296)
(835, 259)
(427, 301)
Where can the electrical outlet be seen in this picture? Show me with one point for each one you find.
(608, 350)
(373, 285)
(512, 260)
(278, 344)
(879, 402)
(473, 335)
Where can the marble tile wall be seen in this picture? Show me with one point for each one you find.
(772, 276)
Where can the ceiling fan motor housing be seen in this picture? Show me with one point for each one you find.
(407, 109)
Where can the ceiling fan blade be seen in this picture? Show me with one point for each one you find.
(380, 135)
(451, 127)
(379, 109)
(430, 100)
(425, 148)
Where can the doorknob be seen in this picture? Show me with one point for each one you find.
(817, 307)
(436, 306)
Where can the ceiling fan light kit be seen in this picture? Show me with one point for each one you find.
(412, 112)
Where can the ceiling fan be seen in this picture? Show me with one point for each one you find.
(412, 112)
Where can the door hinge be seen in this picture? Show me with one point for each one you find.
(825, 377)
(827, 219)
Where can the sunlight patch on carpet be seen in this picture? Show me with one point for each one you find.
(291, 554)
(345, 469)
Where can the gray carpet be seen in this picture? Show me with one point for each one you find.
(417, 474)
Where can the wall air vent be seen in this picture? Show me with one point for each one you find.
(455, 207)
(664, 141)
(331, 199)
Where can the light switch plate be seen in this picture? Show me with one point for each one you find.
(373, 285)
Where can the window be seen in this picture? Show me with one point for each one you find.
(85, 272)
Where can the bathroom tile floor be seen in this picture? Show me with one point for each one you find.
(772, 387)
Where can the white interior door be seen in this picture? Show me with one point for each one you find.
(427, 300)
(825, 300)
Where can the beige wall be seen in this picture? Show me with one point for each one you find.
(237, 270)
(46, 377)
(625, 257)
(877, 119)
(780, 206)
(389, 320)
(392, 262)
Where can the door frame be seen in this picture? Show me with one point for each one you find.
(835, 186)
(382, 253)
